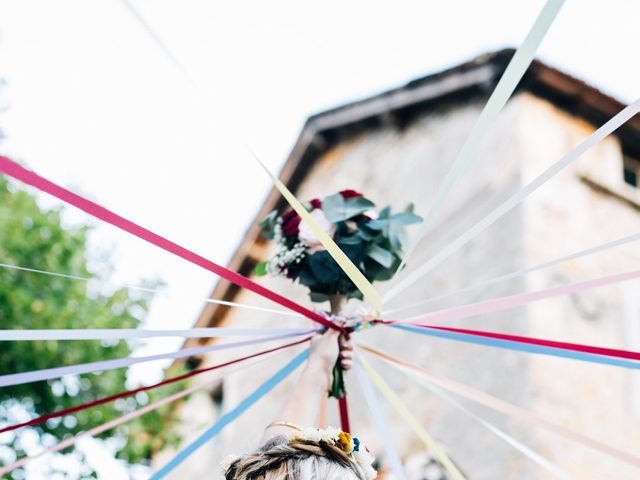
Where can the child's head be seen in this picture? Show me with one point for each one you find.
(302, 459)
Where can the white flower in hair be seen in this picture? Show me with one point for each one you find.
(312, 434)
(352, 446)
(332, 433)
(365, 461)
(226, 463)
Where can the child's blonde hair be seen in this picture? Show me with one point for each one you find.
(295, 460)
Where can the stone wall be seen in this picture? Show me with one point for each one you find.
(400, 166)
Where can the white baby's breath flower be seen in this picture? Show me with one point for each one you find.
(285, 257)
(278, 238)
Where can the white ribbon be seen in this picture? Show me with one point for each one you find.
(505, 87)
(150, 290)
(127, 333)
(49, 373)
(526, 451)
(605, 130)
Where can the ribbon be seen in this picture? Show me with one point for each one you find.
(229, 417)
(129, 393)
(504, 89)
(347, 266)
(511, 301)
(378, 418)
(343, 407)
(48, 373)
(613, 352)
(148, 290)
(412, 421)
(157, 40)
(522, 347)
(519, 273)
(12, 169)
(535, 457)
(507, 408)
(452, 247)
(116, 422)
(128, 333)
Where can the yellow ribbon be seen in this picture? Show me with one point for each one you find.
(356, 276)
(412, 421)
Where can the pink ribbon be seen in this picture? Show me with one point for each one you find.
(504, 303)
(12, 169)
(508, 408)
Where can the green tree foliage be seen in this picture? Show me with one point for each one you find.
(35, 237)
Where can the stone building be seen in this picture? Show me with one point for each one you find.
(396, 147)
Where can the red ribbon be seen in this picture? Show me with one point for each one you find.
(344, 414)
(128, 393)
(611, 352)
(11, 168)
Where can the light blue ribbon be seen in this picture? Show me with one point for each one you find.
(229, 417)
(381, 424)
(523, 347)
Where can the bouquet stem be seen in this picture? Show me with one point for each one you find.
(337, 384)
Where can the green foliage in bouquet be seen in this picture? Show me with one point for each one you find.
(374, 245)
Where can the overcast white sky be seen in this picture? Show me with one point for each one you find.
(95, 105)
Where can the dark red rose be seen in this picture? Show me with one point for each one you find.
(288, 216)
(316, 203)
(291, 226)
(347, 194)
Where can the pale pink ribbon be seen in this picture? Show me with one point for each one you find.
(507, 408)
(504, 303)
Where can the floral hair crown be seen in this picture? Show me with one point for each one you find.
(350, 445)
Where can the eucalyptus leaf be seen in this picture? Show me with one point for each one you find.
(267, 225)
(324, 268)
(380, 255)
(333, 208)
(318, 297)
(358, 205)
(405, 218)
(337, 209)
(366, 233)
(384, 213)
(355, 293)
(350, 240)
(354, 251)
(378, 224)
(306, 277)
(398, 237)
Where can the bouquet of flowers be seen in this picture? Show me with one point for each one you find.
(373, 243)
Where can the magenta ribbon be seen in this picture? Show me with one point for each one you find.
(577, 347)
(12, 169)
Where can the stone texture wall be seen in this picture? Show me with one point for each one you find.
(396, 167)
